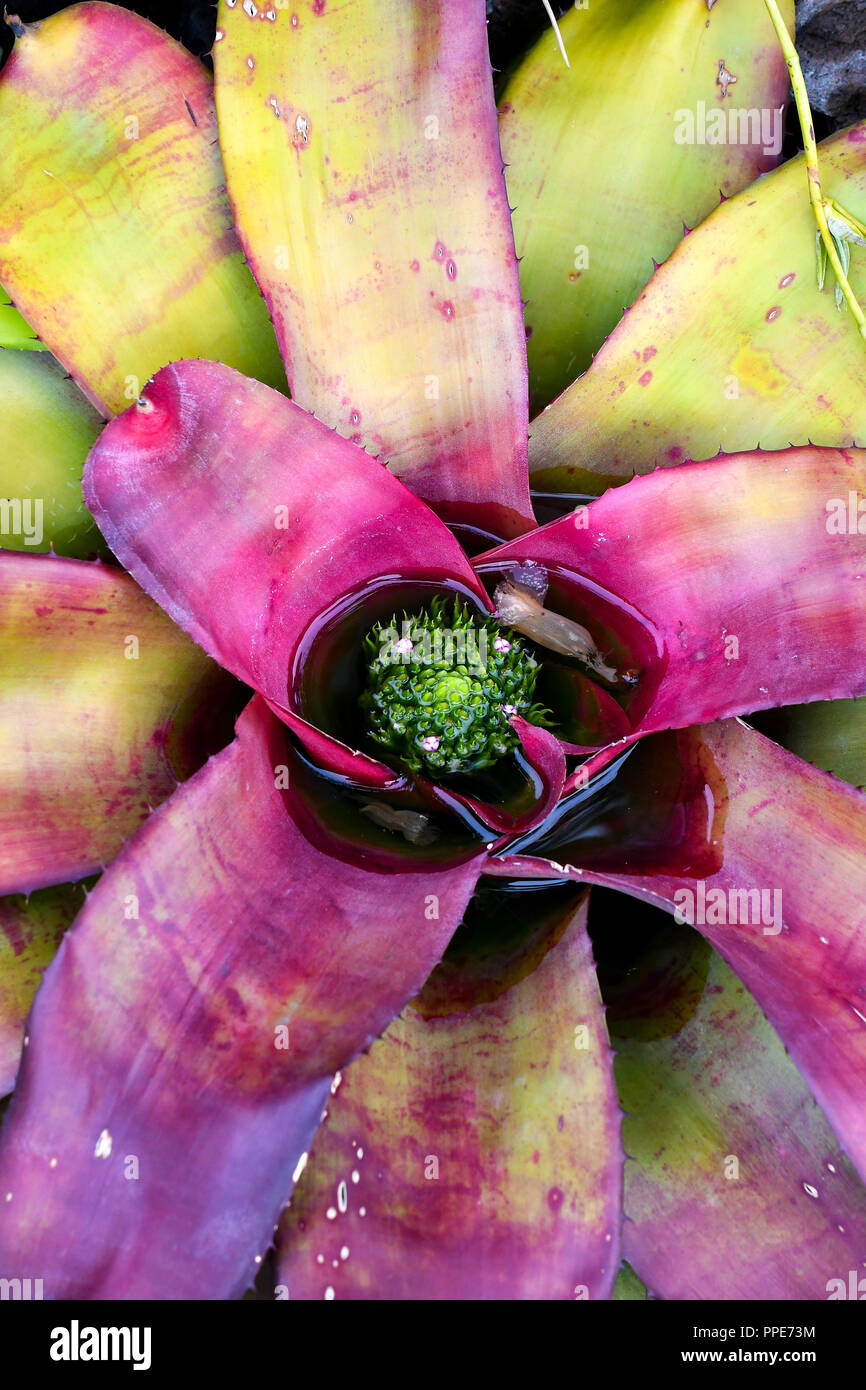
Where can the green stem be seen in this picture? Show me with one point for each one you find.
(810, 148)
(854, 222)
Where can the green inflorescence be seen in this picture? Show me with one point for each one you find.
(443, 685)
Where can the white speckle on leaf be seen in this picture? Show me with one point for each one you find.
(724, 78)
(103, 1145)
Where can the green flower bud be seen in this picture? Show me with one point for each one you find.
(442, 687)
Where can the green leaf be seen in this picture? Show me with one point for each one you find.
(730, 346)
(607, 159)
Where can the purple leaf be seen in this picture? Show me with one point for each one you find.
(183, 1041)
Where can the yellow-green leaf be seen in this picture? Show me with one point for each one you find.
(730, 347)
(48, 429)
(665, 105)
(117, 241)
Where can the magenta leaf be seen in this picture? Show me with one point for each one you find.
(475, 1152)
(736, 1186)
(749, 578)
(182, 1044)
(779, 891)
(256, 527)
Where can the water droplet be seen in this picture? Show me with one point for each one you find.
(329, 1293)
(103, 1145)
(344, 1253)
(362, 1211)
(251, 62)
(812, 1191)
(338, 1076)
(331, 1213)
(250, 8)
(320, 1259)
(218, 35)
(342, 1196)
(360, 1153)
(356, 1176)
(831, 1167)
(8, 1196)
(52, 1163)
(301, 1165)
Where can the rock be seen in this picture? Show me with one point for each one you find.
(831, 41)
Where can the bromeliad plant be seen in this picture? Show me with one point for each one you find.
(459, 719)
